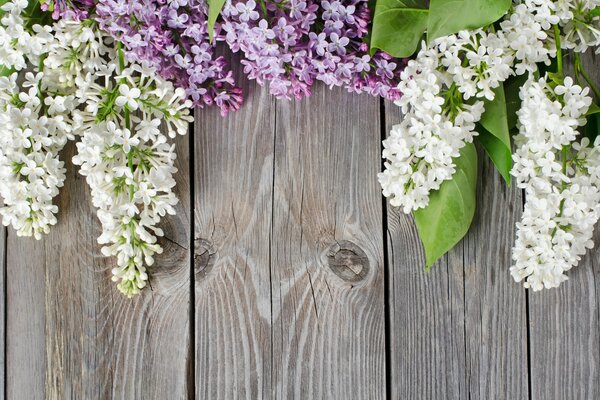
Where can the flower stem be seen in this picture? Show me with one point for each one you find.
(127, 119)
(559, 60)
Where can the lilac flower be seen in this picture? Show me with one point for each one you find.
(172, 36)
(68, 9)
(291, 44)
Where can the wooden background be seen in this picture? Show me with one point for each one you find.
(286, 276)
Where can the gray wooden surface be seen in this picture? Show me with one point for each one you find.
(285, 276)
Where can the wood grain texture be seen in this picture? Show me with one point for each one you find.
(495, 305)
(564, 323)
(458, 331)
(327, 256)
(25, 318)
(233, 209)
(83, 339)
(427, 335)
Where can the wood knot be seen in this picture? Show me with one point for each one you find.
(205, 255)
(348, 261)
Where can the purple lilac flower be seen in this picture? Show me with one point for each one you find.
(292, 43)
(172, 36)
(68, 9)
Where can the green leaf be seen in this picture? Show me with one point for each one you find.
(592, 126)
(594, 109)
(447, 218)
(513, 102)
(494, 133)
(399, 26)
(450, 16)
(500, 155)
(214, 9)
(595, 12)
(5, 71)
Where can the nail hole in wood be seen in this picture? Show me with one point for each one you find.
(205, 256)
(348, 261)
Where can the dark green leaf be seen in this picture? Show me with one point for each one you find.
(594, 109)
(214, 9)
(595, 12)
(513, 102)
(494, 123)
(592, 126)
(398, 26)
(450, 16)
(500, 155)
(447, 218)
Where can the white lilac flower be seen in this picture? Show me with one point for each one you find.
(579, 24)
(526, 32)
(561, 178)
(126, 158)
(438, 120)
(34, 127)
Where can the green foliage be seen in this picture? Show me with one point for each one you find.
(399, 26)
(592, 126)
(214, 9)
(513, 102)
(447, 218)
(494, 133)
(450, 16)
(498, 153)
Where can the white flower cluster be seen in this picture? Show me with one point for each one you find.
(75, 82)
(438, 121)
(528, 29)
(526, 32)
(580, 24)
(126, 158)
(442, 78)
(562, 180)
(34, 127)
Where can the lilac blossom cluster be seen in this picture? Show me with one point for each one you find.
(68, 9)
(293, 43)
(172, 36)
(288, 44)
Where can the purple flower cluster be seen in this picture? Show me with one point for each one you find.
(289, 44)
(68, 9)
(172, 36)
(292, 43)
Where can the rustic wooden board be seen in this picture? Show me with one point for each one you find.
(458, 331)
(564, 335)
(327, 259)
(71, 334)
(263, 236)
(564, 324)
(233, 178)
(495, 305)
(25, 318)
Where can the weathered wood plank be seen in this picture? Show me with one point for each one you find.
(495, 306)
(233, 208)
(25, 318)
(458, 331)
(427, 337)
(79, 337)
(564, 324)
(327, 254)
(564, 335)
